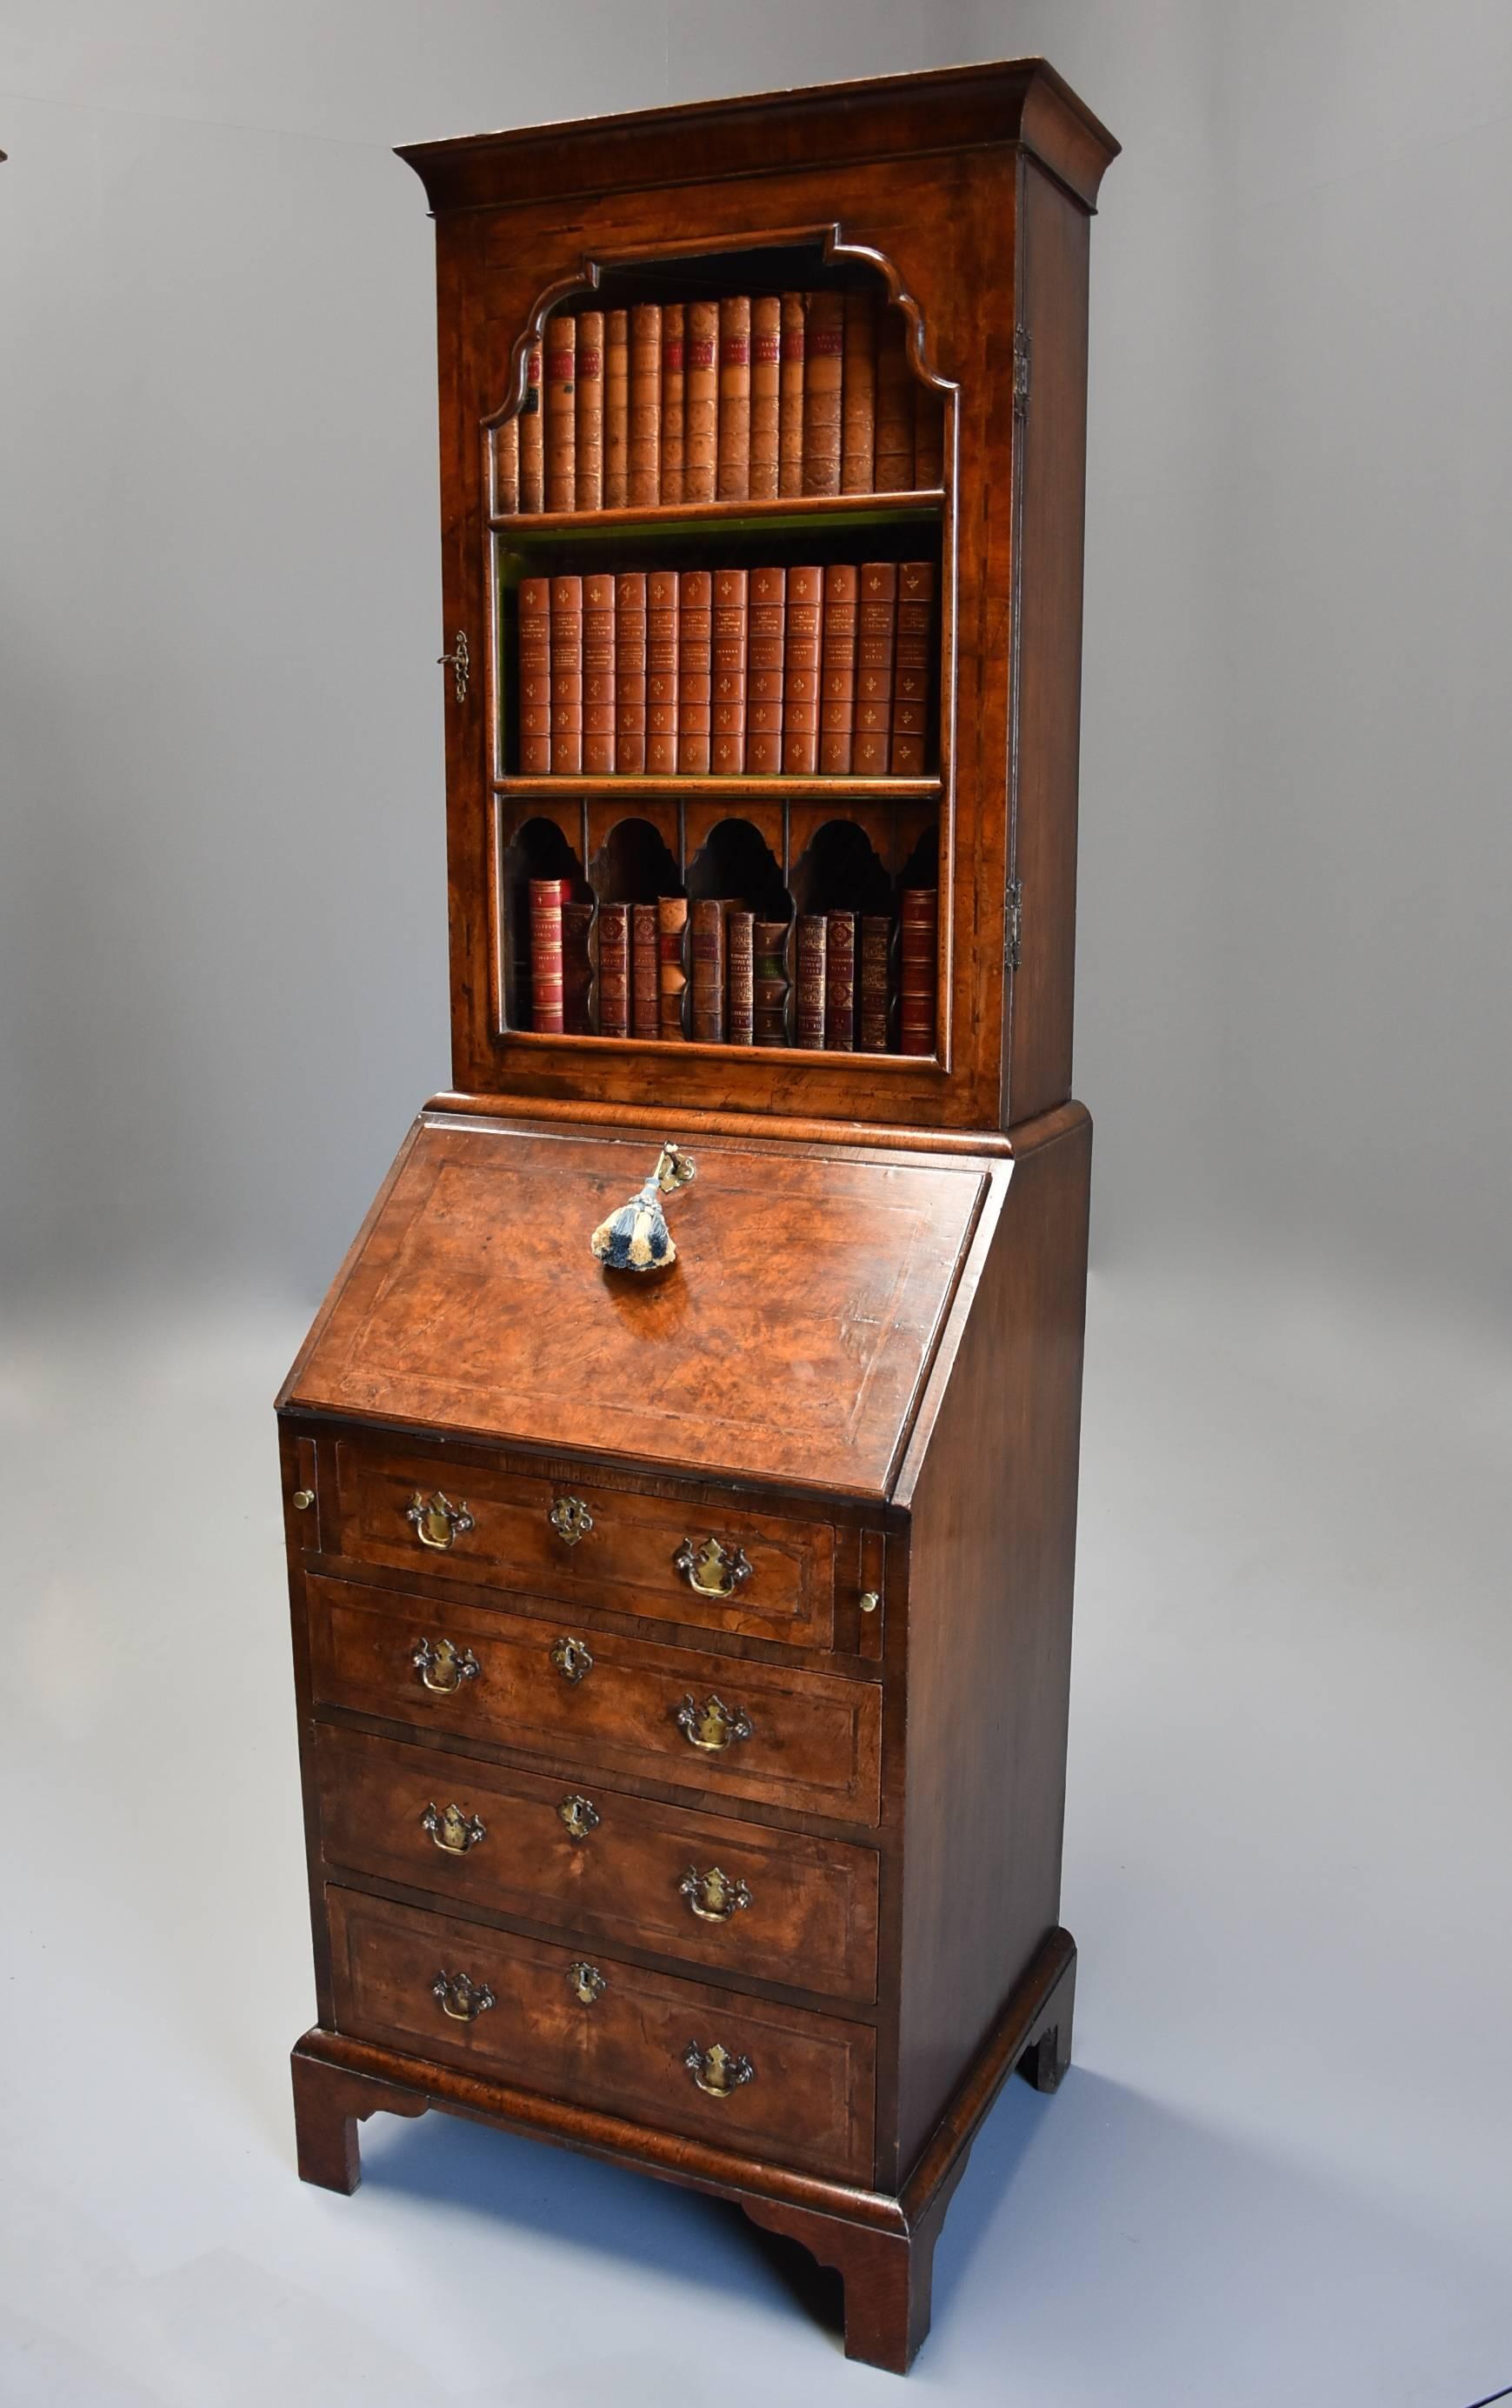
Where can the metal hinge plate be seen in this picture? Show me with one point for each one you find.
(1021, 349)
(1013, 927)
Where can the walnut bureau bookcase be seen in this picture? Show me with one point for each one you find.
(682, 1660)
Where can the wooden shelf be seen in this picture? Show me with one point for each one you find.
(797, 511)
(767, 790)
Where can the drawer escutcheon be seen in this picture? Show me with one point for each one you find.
(570, 1519)
(586, 1983)
(573, 1658)
(580, 1817)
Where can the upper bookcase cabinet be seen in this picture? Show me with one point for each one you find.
(854, 755)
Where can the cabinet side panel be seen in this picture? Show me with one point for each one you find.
(991, 1561)
(1053, 310)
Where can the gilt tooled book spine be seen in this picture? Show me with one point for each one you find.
(673, 384)
(576, 968)
(630, 672)
(701, 394)
(740, 946)
(837, 670)
(705, 948)
(763, 675)
(598, 676)
(535, 596)
(734, 481)
(766, 396)
(875, 633)
(615, 408)
(808, 1026)
(894, 460)
(917, 969)
(840, 982)
(590, 434)
(567, 675)
(696, 631)
(533, 436)
(929, 438)
(645, 983)
(790, 474)
(505, 498)
(672, 979)
(824, 380)
(910, 668)
(662, 672)
(614, 970)
(727, 720)
(547, 896)
(645, 405)
(800, 672)
(771, 981)
(561, 413)
(872, 1002)
(858, 415)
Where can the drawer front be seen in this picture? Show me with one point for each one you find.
(606, 1546)
(809, 1740)
(806, 2099)
(625, 1869)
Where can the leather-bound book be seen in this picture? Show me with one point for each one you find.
(766, 394)
(701, 397)
(705, 949)
(740, 947)
(840, 982)
(576, 968)
(505, 498)
(614, 970)
(672, 979)
(875, 636)
(763, 674)
(645, 983)
(789, 472)
(872, 1002)
(733, 480)
(910, 668)
(598, 675)
(590, 434)
(615, 408)
(858, 410)
(727, 718)
(567, 675)
(674, 379)
(929, 439)
(837, 670)
(534, 676)
(894, 465)
(695, 636)
(547, 896)
(770, 988)
(918, 914)
(662, 672)
(800, 672)
(808, 1025)
(533, 436)
(645, 405)
(561, 413)
(823, 382)
(630, 672)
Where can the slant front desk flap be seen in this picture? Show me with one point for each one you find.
(789, 1340)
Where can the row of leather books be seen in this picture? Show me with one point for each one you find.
(729, 671)
(713, 972)
(745, 399)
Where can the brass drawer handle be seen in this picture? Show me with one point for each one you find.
(302, 1499)
(713, 1896)
(451, 1829)
(437, 1522)
(580, 1817)
(713, 1724)
(444, 1666)
(711, 1568)
(570, 1519)
(463, 1998)
(573, 1658)
(587, 1984)
(715, 2071)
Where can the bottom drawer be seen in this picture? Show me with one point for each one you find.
(775, 2082)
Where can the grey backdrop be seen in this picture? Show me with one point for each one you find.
(223, 957)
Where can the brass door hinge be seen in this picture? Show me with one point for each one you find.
(1021, 370)
(459, 661)
(1013, 925)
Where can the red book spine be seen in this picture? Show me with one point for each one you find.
(705, 948)
(837, 703)
(589, 471)
(800, 672)
(534, 676)
(532, 436)
(598, 676)
(561, 413)
(840, 982)
(696, 631)
(876, 631)
(673, 382)
(645, 963)
(576, 968)
(727, 718)
(809, 1029)
(567, 675)
(766, 396)
(740, 940)
(771, 981)
(630, 672)
(547, 896)
(662, 672)
(764, 679)
(671, 926)
(917, 970)
(614, 970)
(789, 472)
(872, 1015)
(910, 668)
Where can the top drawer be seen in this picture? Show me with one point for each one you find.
(712, 1565)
